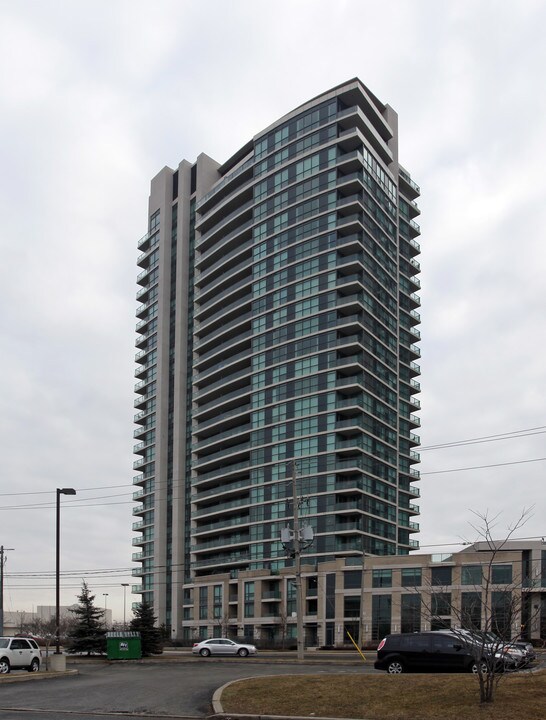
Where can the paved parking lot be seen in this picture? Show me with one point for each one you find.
(154, 689)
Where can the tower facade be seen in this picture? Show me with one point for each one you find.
(277, 323)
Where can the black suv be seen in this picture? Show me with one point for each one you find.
(419, 652)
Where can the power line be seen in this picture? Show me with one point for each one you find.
(83, 503)
(479, 467)
(514, 434)
(52, 492)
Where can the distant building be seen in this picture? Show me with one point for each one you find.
(23, 621)
(277, 321)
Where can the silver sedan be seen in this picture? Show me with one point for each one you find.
(222, 646)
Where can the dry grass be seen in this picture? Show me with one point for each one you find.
(382, 697)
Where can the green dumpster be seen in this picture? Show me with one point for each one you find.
(123, 646)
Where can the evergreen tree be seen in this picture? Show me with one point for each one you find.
(89, 633)
(150, 635)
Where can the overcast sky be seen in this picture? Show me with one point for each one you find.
(96, 96)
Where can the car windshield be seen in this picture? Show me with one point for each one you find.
(4, 642)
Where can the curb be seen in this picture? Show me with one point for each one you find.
(42, 675)
(218, 708)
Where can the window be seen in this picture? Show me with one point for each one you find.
(203, 603)
(501, 614)
(258, 399)
(440, 576)
(259, 324)
(410, 613)
(306, 406)
(308, 426)
(278, 432)
(306, 307)
(381, 616)
(307, 366)
(411, 577)
(307, 166)
(278, 452)
(249, 599)
(258, 362)
(382, 578)
(440, 604)
(260, 148)
(471, 610)
(471, 575)
(278, 373)
(351, 606)
(308, 446)
(20, 645)
(259, 231)
(260, 190)
(258, 380)
(280, 259)
(501, 574)
(217, 601)
(154, 220)
(278, 412)
(281, 296)
(443, 643)
(352, 579)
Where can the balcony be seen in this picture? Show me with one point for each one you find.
(226, 452)
(241, 392)
(225, 327)
(220, 226)
(144, 241)
(212, 439)
(410, 186)
(224, 470)
(225, 181)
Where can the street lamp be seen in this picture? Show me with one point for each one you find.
(124, 586)
(60, 491)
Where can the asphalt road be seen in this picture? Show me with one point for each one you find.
(151, 690)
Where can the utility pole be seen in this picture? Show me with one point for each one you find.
(294, 541)
(2, 561)
(297, 562)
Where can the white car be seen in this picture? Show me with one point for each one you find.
(222, 646)
(19, 654)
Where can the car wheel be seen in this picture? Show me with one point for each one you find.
(204, 652)
(243, 652)
(475, 667)
(395, 667)
(34, 665)
(4, 666)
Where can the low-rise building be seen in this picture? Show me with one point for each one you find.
(503, 590)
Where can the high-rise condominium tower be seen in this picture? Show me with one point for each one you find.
(277, 321)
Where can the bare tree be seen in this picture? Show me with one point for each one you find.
(222, 623)
(283, 623)
(488, 620)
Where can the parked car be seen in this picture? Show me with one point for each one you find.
(222, 646)
(442, 651)
(512, 653)
(524, 647)
(527, 649)
(19, 654)
(42, 642)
